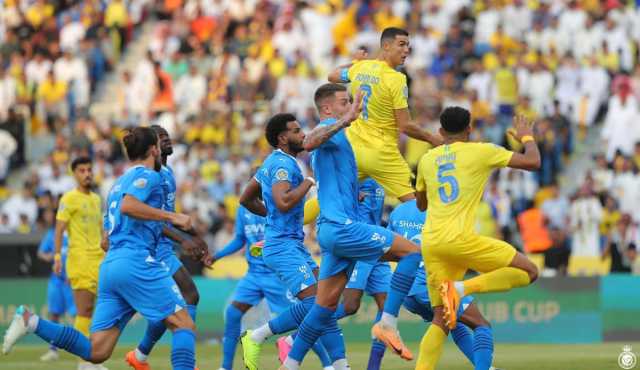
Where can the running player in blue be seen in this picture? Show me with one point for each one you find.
(259, 282)
(59, 293)
(280, 184)
(374, 279)
(343, 239)
(165, 254)
(131, 279)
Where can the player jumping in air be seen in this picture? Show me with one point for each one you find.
(131, 279)
(385, 115)
(452, 178)
(343, 238)
(165, 254)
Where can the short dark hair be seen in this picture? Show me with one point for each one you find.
(455, 119)
(277, 125)
(159, 130)
(327, 91)
(390, 33)
(137, 142)
(79, 161)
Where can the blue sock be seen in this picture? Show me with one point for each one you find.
(232, 321)
(314, 325)
(482, 347)
(341, 312)
(463, 338)
(401, 282)
(292, 318)
(183, 350)
(377, 350)
(64, 337)
(333, 340)
(155, 331)
(323, 356)
(191, 309)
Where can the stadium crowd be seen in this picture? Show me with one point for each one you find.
(216, 69)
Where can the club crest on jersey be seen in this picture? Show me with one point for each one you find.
(282, 174)
(140, 183)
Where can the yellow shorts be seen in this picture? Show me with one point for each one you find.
(82, 272)
(450, 261)
(383, 163)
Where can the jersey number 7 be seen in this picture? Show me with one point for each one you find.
(366, 89)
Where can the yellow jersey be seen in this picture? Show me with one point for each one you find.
(454, 177)
(385, 90)
(83, 216)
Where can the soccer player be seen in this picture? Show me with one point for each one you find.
(385, 114)
(259, 282)
(408, 220)
(343, 239)
(451, 179)
(280, 184)
(374, 279)
(79, 214)
(59, 294)
(165, 254)
(131, 279)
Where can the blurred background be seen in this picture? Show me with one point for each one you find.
(74, 73)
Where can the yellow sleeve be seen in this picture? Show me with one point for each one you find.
(65, 209)
(397, 83)
(350, 73)
(311, 210)
(421, 182)
(495, 155)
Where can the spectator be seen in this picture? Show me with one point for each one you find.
(621, 130)
(622, 245)
(22, 202)
(585, 216)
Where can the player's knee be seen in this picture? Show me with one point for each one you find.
(100, 354)
(533, 273)
(351, 307)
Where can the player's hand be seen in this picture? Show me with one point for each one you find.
(57, 266)
(360, 54)
(182, 221)
(208, 260)
(355, 110)
(523, 127)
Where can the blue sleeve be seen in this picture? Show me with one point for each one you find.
(281, 171)
(344, 75)
(47, 243)
(238, 241)
(143, 185)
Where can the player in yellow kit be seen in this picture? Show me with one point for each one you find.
(385, 114)
(79, 213)
(451, 180)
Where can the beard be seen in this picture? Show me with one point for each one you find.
(296, 147)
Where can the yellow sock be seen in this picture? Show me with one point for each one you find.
(431, 348)
(311, 210)
(496, 281)
(82, 325)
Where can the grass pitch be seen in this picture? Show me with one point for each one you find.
(507, 357)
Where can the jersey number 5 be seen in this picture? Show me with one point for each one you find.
(366, 89)
(443, 179)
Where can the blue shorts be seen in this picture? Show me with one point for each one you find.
(256, 285)
(343, 245)
(172, 263)
(419, 304)
(134, 282)
(292, 263)
(60, 297)
(373, 279)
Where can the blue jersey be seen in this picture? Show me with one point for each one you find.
(165, 247)
(407, 220)
(47, 245)
(280, 166)
(334, 166)
(249, 231)
(128, 233)
(370, 209)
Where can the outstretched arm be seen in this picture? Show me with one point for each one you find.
(411, 129)
(530, 159)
